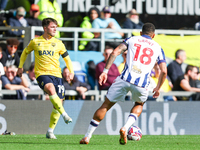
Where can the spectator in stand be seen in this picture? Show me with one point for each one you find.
(33, 19)
(10, 56)
(106, 22)
(2, 71)
(75, 84)
(87, 23)
(32, 82)
(10, 81)
(187, 82)
(174, 69)
(30, 77)
(3, 4)
(121, 66)
(197, 26)
(112, 73)
(18, 21)
(50, 8)
(132, 20)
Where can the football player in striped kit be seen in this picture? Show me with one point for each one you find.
(141, 57)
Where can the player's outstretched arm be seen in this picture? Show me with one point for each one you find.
(117, 51)
(70, 67)
(161, 79)
(21, 63)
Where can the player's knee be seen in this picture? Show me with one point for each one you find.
(49, 89)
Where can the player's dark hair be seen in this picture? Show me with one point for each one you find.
(47, 21)
(148, 28)
(178, 52)
(189, 67)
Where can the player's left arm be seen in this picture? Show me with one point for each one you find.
(161, 79)
(69, 65)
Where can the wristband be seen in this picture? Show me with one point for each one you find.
(105, 70)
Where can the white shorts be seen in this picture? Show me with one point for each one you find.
(120, 88)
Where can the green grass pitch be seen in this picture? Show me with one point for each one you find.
(99, 142)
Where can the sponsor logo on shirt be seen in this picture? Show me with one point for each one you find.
(46, 52)
(136, 69)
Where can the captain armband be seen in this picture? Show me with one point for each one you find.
(65, 54)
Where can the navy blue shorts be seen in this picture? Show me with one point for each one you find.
(57, 82)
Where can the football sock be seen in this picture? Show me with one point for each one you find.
(57, 103)
(55, 115)
(131, 120)
(93, 125)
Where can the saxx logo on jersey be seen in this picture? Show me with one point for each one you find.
(46, 52)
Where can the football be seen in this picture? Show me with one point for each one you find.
(134, 133)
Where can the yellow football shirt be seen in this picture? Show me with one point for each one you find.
(47, 54)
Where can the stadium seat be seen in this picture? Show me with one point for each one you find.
(79, 72)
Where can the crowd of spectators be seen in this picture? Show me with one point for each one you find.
(9, 58)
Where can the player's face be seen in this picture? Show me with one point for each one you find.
(51, 29)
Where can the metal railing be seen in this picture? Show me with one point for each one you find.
(99, 95)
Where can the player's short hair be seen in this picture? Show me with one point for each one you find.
(189, 67)
(47, 21)
(148, 28)
(178, 52)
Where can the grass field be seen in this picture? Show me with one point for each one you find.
(98, 142)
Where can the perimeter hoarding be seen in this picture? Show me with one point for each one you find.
(157, 118)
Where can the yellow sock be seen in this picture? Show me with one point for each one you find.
(57, 103)
(55, 115)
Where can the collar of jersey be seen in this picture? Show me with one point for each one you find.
(146, 36)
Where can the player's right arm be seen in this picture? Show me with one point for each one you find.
(23, 57)
(22, 60)
(117, 51)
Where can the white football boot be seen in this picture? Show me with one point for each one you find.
(67, 119)
(50, 135)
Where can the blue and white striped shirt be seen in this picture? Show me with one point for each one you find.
(141, 57)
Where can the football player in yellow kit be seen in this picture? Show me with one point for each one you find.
(47, 50)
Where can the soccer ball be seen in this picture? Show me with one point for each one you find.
(134, 133)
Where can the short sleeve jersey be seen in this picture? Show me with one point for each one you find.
(142, 55)
(47, 54)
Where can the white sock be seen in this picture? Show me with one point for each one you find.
(64, 114)
(50, 130)
(131, 120)
(93, 125)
